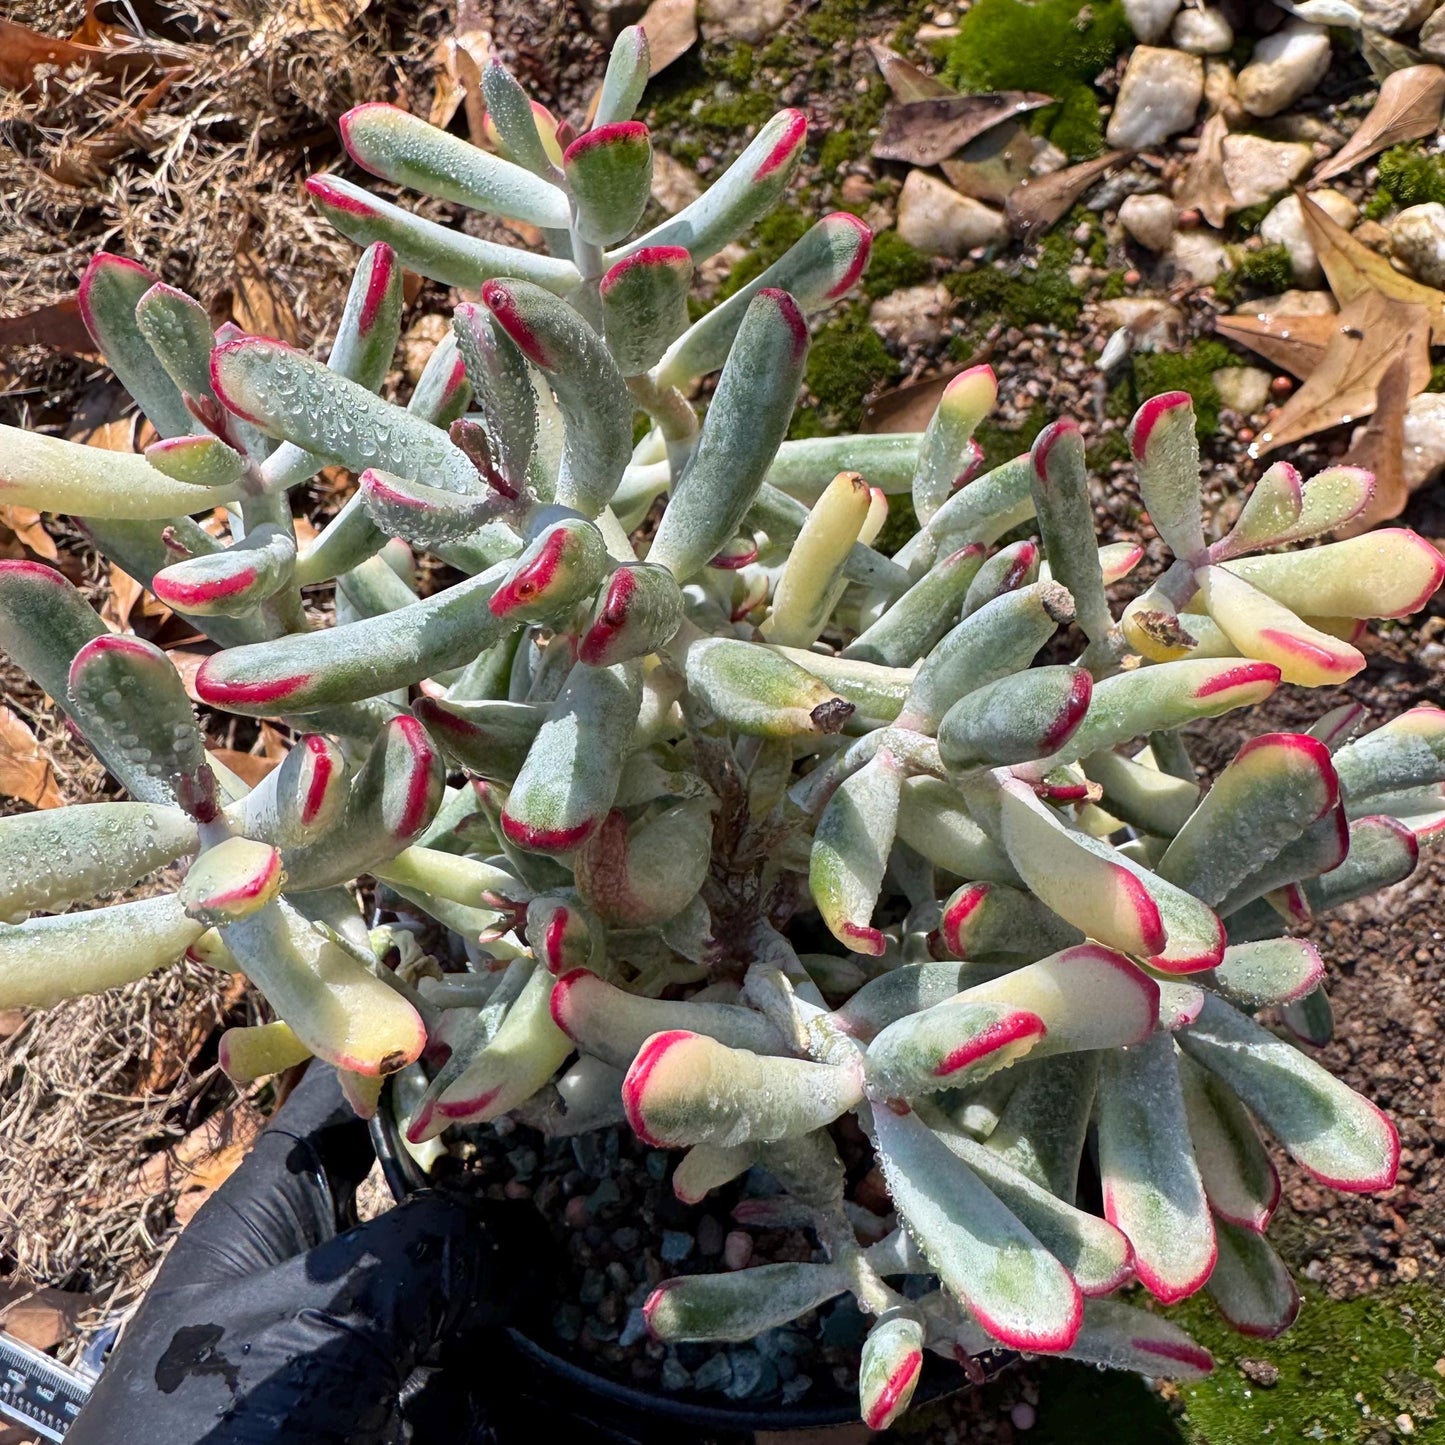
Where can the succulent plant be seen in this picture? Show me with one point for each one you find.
(760, 829)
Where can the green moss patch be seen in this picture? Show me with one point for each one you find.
(847, 363)
(1024, 295)
(1056, 46)
(1153, 372)
(894, 264)
(1265, 272)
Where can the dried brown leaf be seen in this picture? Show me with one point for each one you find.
(1353, 269)
(23, 50)
(460, 59)
(1381, 449)
(907, 408)
(1408, 107)
(247, 766)
(992, 167)
(38, 1315)
(1204, 186)
(188, 663)
(1374, 330)
(671, 30)
(924, 132)
(57, 326)
(1038, 204)
(1296, 344)
(257, 304)
(123, 595)
(25, 523)
(12, 1020)
(25, 771)
(905, 80)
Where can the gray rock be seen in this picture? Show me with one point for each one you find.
(1148, 219)
(634, 1330)
(1424, 438)
(1393, 16)
(1417, 238)
(915, 316)
(674, 185)
(709, 1235)
(939, 221)
(1285, 226)
(1158, 97)
(1149, 19)
(1244, 389)
(1199, 255)
(1202, 32)
(715, 1373)
(751, 21)
(609, 17)
(752, 1375)
(1256, 169)
(1284, 67)
(796, 1388)
(1153, 324)
(676, 1246)
(1432, 37)
(674, 1377)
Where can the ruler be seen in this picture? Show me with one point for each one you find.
(38, 1391)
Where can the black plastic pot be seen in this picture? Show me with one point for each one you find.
(549, 1383)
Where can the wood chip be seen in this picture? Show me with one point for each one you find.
(924, 132)
(25, 771)
(1408, 107)
(1373, 331)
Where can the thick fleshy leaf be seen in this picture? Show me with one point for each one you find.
(1011, 1284)
(889, 1370)
(439, 252)
(802, 468)
(1060, 486)
(308, 670)
(815, 271)
(48, 959)
(502, 391)
(782, 517)
(1044, 1121)
(53, 475)
(613, 1025)
(340, 1010)
(233, 581)
(609, 172)
(745, 422)
(128, 696)
(62, 855)
(1240, 1181)
(684, 1088)
(518, 1059)
(1283, 508)
(255, 1050)
(1118, 1337)
(804, 589)
(644, 305)
(1152, 1189)
(909, 628)
(1405, 752)
(392, 798)
(1104, 893)
(741, 1305)
(850, 851)
(361, 351)
(108, 293)
(300, 800)
(1382, 851)
(944, 453)
(569, 780)
(1028, 715)
(1144, 797)
(488, 738)
(1093, 1251)
(643, 875)
(1390, 572)
(1154, 699)
(1166, 452)
(952, 1044)
(442, 391)
(1251, 1285)
(1000, 638)
(760, 692)
(1275, 787)
(704, 1168)
(231, 881)
(1270, 971)
(1329, 1130)
(1319, 849)
(981, 510)
(905, 990)
(933, 821)
(1310, 1019)
(638, 611)
(44, 622)
(1264, 629)
(197, 461)
(556, 572)
(405, 150)
(626, 77)
(1009, 568)
(596, 409)
(179, 334)
(743, 194)
(990, 920)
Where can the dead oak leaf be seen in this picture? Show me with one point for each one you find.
(1038, 204)
(1295, 343)
(671, 30)
(25, 771)
(1380, 449)
(1408, 107)
(1373, 331)
(924, 132)
(1204, 186)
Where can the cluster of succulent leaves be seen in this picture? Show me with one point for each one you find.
(1035, 947)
